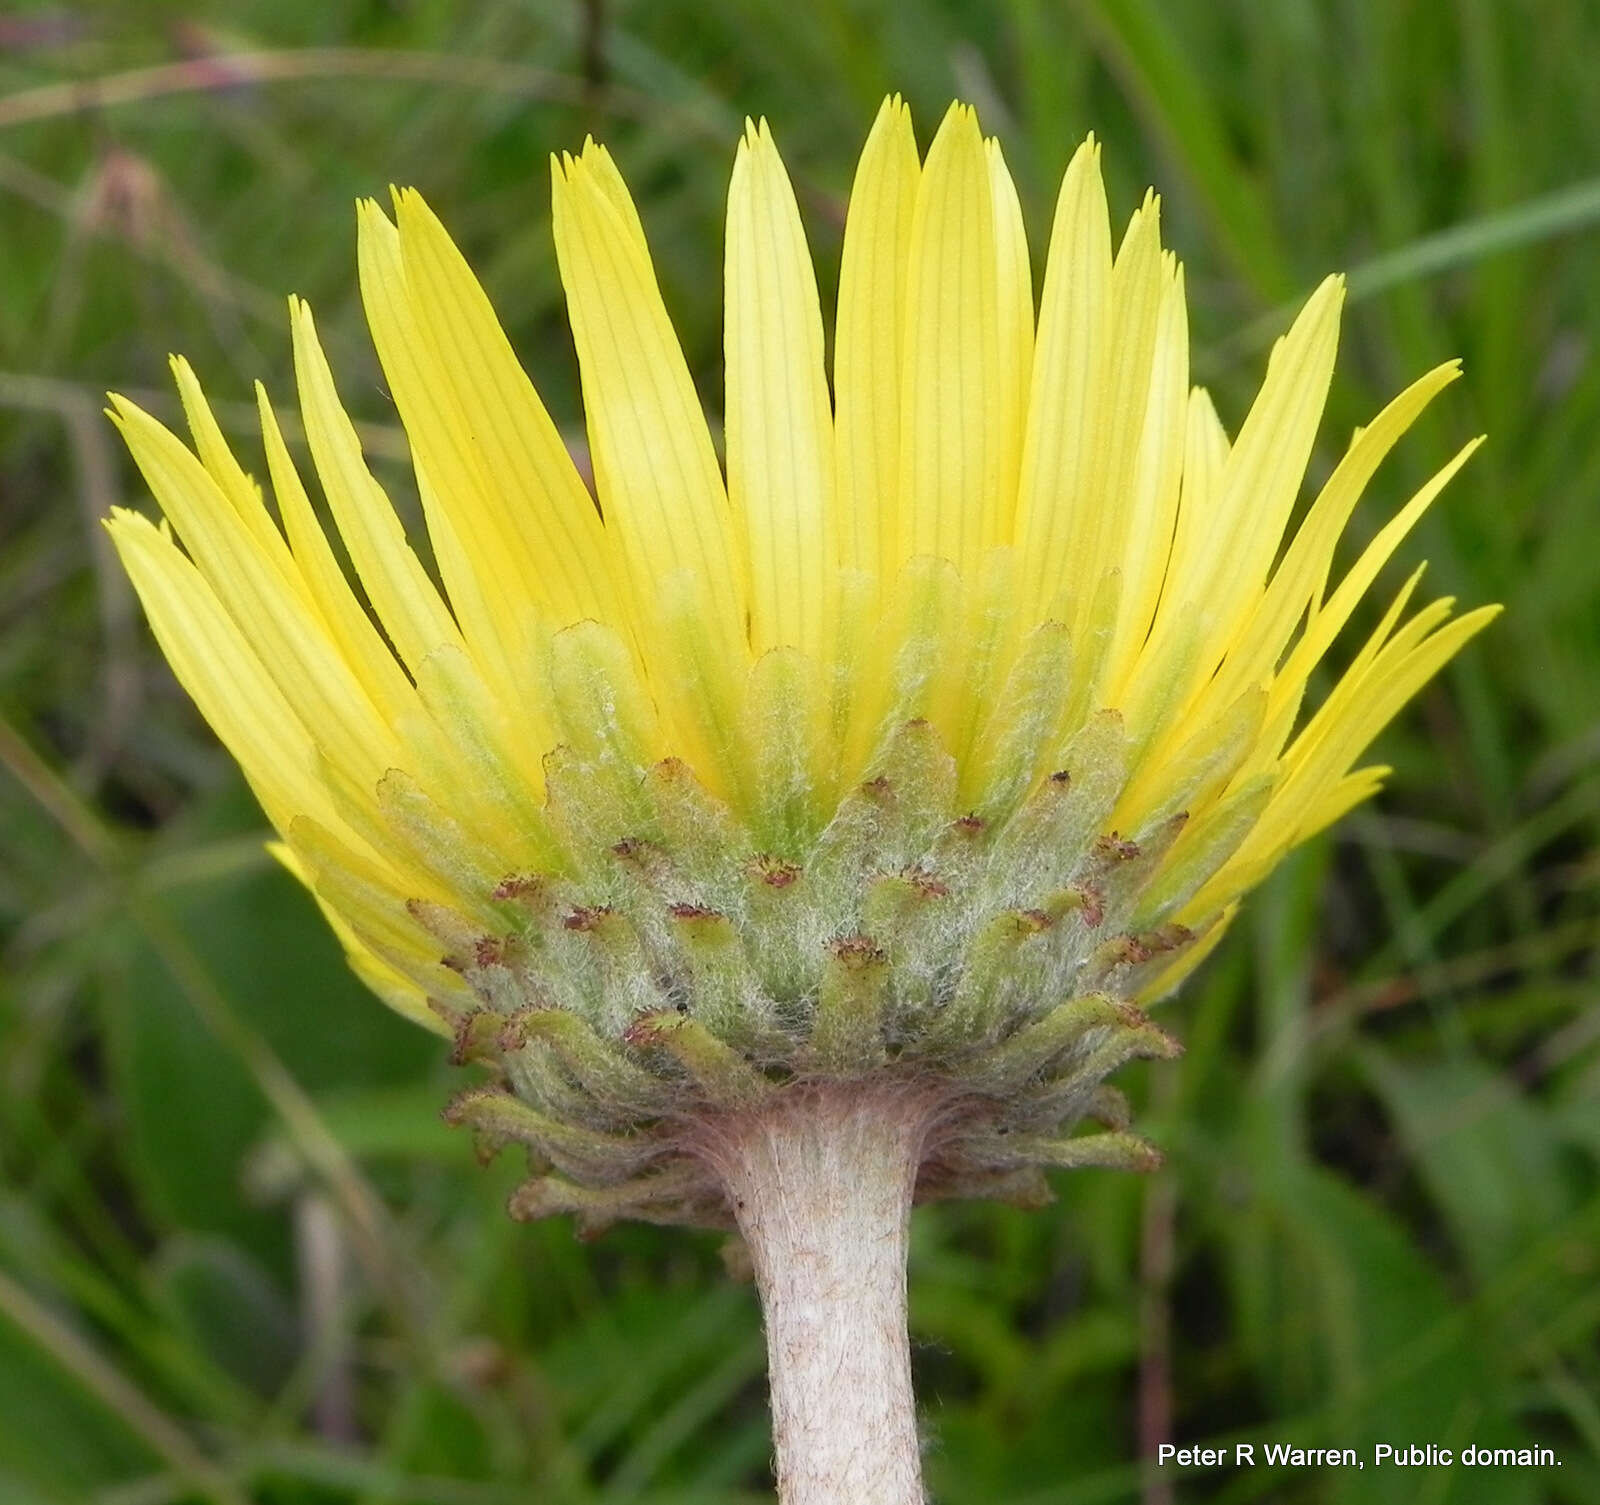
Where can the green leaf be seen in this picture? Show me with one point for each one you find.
(1489, 1157)
(54, 1437)
(223, 1302)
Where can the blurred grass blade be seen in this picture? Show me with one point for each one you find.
(1564, 212)
(159, 1432)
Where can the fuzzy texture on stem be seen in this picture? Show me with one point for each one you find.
(820, 1181)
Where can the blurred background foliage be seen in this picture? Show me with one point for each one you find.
(240, 1258)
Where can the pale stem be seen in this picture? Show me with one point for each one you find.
(821, 1183)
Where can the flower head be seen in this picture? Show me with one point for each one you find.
(922, 741)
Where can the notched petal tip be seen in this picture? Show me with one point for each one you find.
(596, 158)
(1329, 293)
(370, 216)
(960, 124)
(577, 173)
(120, 522)
(893, 115)
(1083, 164)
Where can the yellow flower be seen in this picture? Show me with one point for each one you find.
(995, 616)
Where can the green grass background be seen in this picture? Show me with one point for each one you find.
(242, 1260)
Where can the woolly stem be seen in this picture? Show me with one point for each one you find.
(820, 1180)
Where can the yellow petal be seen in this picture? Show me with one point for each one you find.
(490, 575)
(287, 639)
(1284, 707)
(956, 416)
(1155, 480)
(1206, 448)
(1382, 650)
(224, 469)
(986, 644)
(1014, 311)
(1298, 582)
(469, 743)
(351, 628)
(1020, 721)
(607, 180)
(401, 594)
(1324, 626)
(1353, 789)
(547, 509)
(1328, 747)
(1221, 574)
(779, 427)
(500, 627)
(1187, 779)
(1162, 673)
(1382, 633)
(659, 484)
(1105, 509)
(870, 342)
(1063, 433)
(911, 668)
(222, 675)
(359, 714)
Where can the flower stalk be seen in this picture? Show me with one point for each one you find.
(821, 1183)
